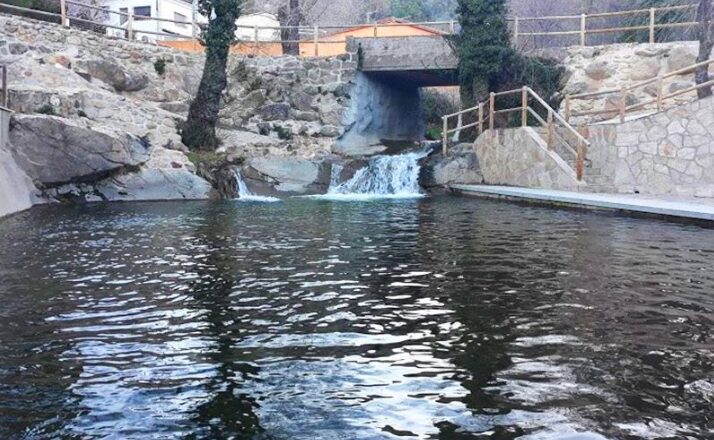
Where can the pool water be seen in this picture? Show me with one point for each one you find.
(433, 318)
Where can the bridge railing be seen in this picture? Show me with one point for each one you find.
(3, 83)
(486, 120)
(660, 102)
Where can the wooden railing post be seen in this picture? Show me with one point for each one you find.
(549, 138)
(524, 107)
(4, 86)
(660, 91)
(580, 161)
(623, 103)
(375, 30)
(583, 28)
(445, 136)
(316, 40)
(492, 113)
(480, 118)
(567, 109)
(63, 13)
(653, 11)
(516, 25)
(452, 27)
(130, 26)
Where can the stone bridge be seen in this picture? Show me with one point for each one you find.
(421, 61)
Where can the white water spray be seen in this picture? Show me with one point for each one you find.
(384, 177)
(245, 195)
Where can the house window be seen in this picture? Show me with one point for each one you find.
(180, 17)
(123, 18)
(142, 11)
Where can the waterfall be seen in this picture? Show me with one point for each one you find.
(394, 177)
(245, 195)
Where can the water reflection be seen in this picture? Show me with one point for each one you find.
(438, 318)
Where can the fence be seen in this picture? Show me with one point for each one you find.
(658, 103)
(486, 112)
(580, 26)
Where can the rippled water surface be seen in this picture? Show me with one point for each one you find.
(442, 318)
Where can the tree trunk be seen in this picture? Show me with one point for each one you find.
(290, 16)
(199, 130)
(706, 43)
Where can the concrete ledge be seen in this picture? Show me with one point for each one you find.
(668, 206)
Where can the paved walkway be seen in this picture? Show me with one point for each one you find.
(682, 207)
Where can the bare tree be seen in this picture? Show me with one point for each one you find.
(706, 43)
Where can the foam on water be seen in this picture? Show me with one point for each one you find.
(245, 195)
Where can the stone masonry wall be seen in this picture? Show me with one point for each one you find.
(670, 153)
(593, 69)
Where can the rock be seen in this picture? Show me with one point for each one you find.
(578, 87)
(461, 165)
(154, 184)
(178, 107)
(651, 51)
(306, 116)
(330, 131)
(274, 112)
(645, 69)
(598, 71)
(114, 75)
(676, 86)
(53, 150)
(254, 99)
(17, 192)
(681, 57)
(17, 48)
(287, 175)
(301, 101)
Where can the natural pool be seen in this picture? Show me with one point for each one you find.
(442, 317)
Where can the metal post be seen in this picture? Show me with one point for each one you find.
(583, 28)
(316, 39)
(445, 136)
(194, 34)
(63, 13)
(516, 25)
(653, 11)
(524, 107)
(452, 27)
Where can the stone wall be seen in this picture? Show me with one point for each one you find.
(519, 157)
(670, 153)
(593, 69)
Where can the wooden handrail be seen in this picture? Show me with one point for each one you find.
(659, 80)
(525, 109)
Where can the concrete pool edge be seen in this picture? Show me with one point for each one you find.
(683, 208)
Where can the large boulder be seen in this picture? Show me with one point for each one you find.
(459, 166)
(288, 175)
(54, 150)
(154, 184)
(681, 57)
(598, 71)
(113, 74)
(17, 192)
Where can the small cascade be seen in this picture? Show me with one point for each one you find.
(245, 195)
(384, 177)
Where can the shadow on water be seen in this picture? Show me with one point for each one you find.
(438, 318)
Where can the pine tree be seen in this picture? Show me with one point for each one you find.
(483, 47)
(199, 130)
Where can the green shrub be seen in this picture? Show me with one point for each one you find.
(46, 109)
(160, 66)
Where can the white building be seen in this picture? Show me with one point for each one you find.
(145, 29)
(181, 11)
